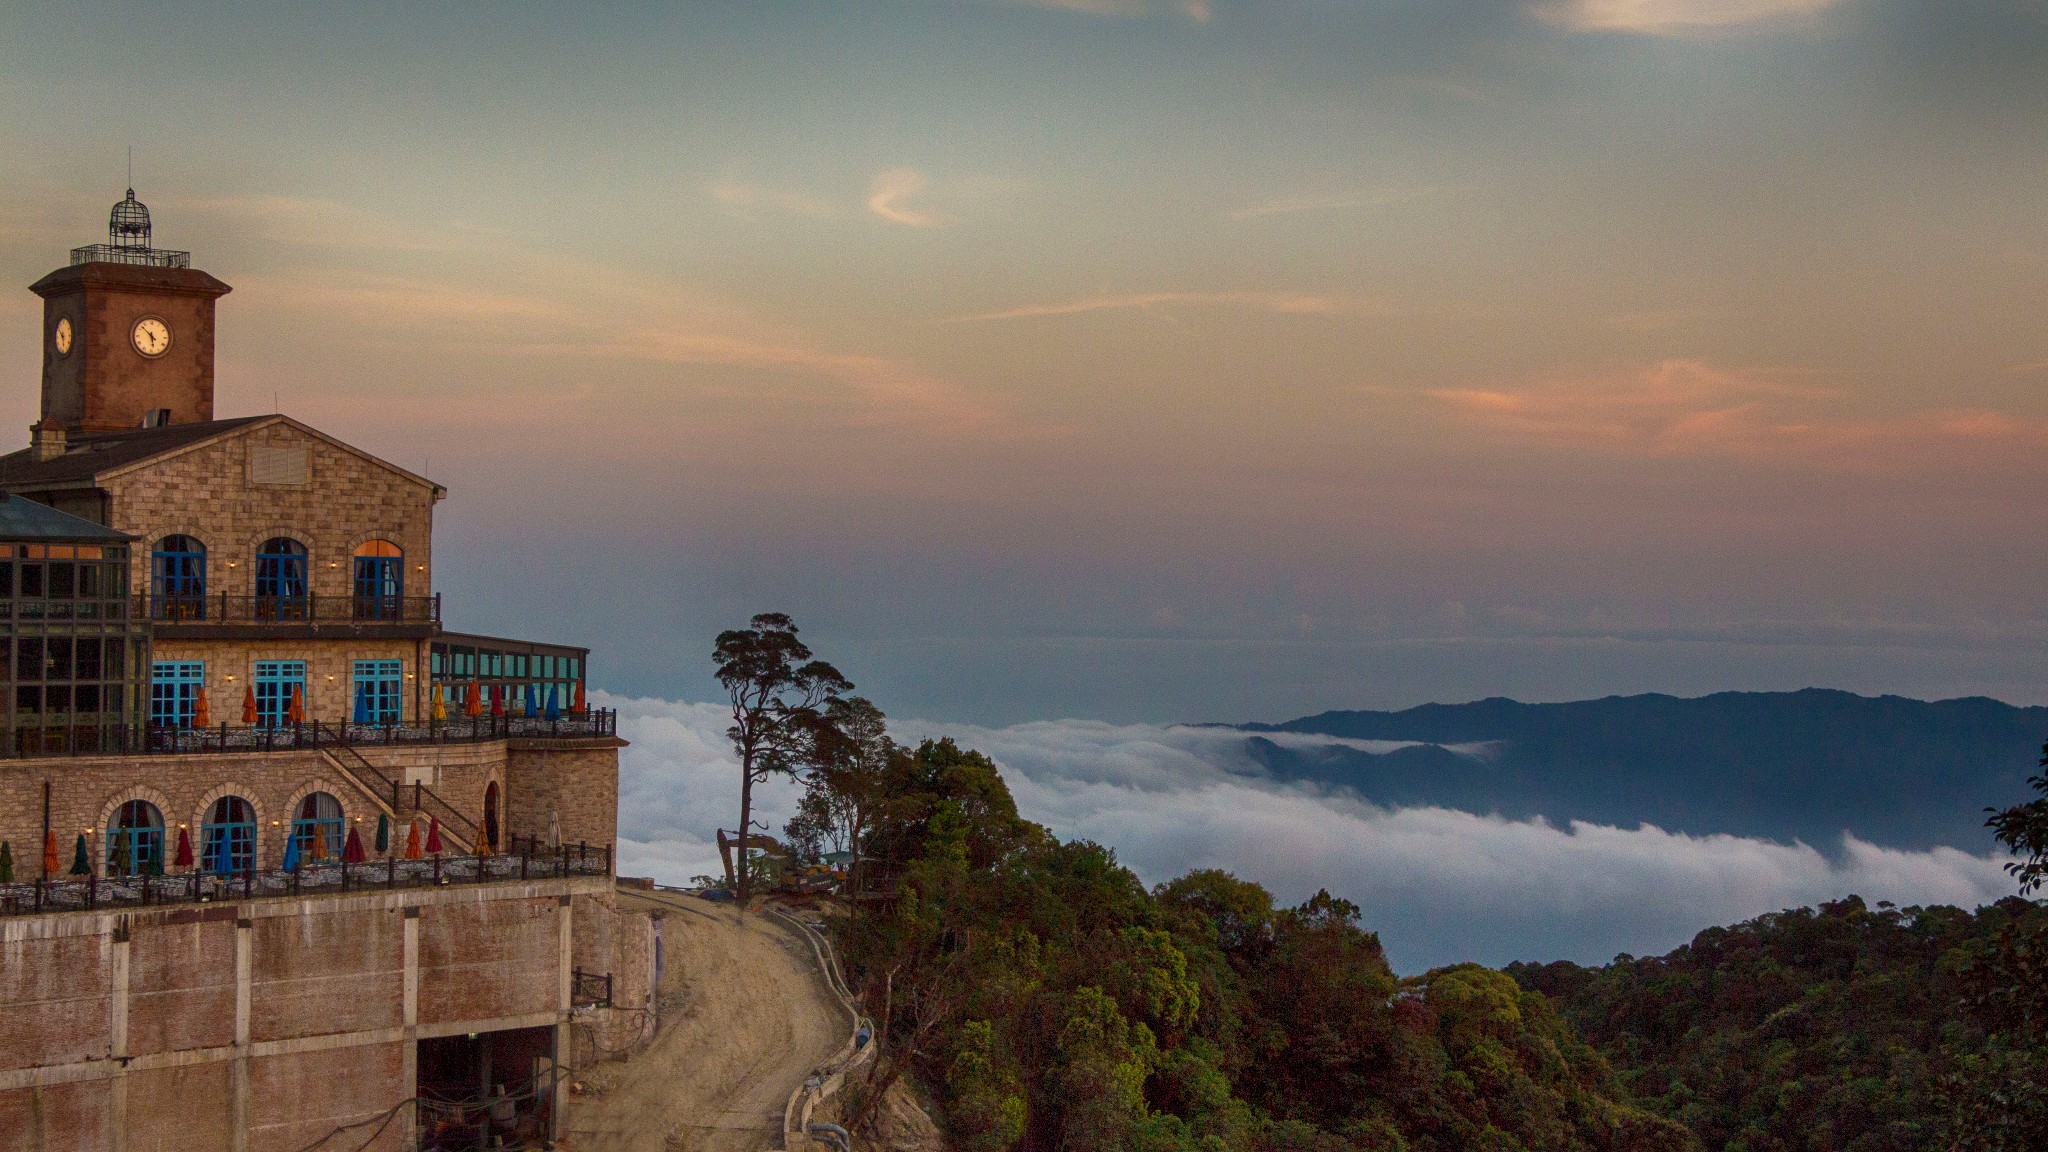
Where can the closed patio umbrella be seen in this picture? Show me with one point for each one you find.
(554, 704)
(362, 704)
(81, 864)
(579, 707)
(6, 862)
(532, 707)
(184, 847)
(249, 704)
(473, 700)
(319, 845)
(202, 716)
(352, 852)
(434, 836)
(296, 713)
(291, 852)
(383, 832)
(121, 856)
(50, 853)
(221, 857)
(497, 699)
(412, 842)
(440, 704)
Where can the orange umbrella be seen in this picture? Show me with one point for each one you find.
(318, 851)
(50, 862)
(297, 713)
(434, 836)
(249, 704)
(579, 706)
(412, 842)
(202, 716)
(473, 700)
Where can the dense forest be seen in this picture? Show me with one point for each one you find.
(1049, 1001)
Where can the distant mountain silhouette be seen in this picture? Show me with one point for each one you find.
(1804, 765)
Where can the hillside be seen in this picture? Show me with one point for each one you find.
(1804, 765)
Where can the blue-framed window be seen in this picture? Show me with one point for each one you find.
(275, 680)
(281, 579)
(177, 579)
(323, 812)
(174, 691)
(227, 838)
(379, 581)
(138, 827)
(377, 688)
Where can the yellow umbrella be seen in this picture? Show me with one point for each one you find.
(440, 704)
(319, 851)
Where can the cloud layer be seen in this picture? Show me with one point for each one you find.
(1438, 885)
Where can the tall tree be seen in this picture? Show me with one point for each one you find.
(853, 758)
(780, 711)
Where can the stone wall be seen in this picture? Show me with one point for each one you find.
(267, 1024)
(577, 780)
(330, 671)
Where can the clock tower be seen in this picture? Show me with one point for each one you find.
(127, 333)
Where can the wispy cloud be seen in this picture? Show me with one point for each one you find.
(1289, 303)
(1692, 408)
(890, 189)
(1436, 883)
(1288, 205)
(1677, 17)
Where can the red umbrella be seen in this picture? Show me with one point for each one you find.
(497, 701)
(434, 836)
(184, 859)
(249, 705)
(352, 852)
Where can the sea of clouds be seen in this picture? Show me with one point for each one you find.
(1438, 885)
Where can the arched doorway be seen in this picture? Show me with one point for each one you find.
(491, 815)
(281, 579)
(135, 840)
(379, 581)
(227, 837)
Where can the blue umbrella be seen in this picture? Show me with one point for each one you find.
(532, 702)
(362, 704)
(554, 705)
(291, 852)
(220, 859)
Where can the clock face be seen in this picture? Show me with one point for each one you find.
(62, 336)
(152, 336)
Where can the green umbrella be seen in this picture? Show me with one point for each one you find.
(383, 832)
(81, 864)
(6, 862)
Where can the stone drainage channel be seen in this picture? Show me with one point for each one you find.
(799, 1132)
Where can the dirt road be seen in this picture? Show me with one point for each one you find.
(745, 1017)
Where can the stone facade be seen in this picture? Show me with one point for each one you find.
(208, 492)
(330, 671)
(102, 382)
(579, 783)
(268, 1024)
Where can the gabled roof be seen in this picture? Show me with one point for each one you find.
(23, 519)
(90, 456)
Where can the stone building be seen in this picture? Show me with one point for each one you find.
(286, 858)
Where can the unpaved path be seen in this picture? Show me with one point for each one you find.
(745, 1018)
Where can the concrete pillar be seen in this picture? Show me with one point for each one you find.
(238, 1075)
(117, 1031)
(564, 1052)
(409, 1050)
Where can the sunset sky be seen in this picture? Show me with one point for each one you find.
(1131, 359)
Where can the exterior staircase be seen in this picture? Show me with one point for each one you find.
(400, 801)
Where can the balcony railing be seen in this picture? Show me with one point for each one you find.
(154, 739)
(312, 608)
(529, 860)
(125, 254)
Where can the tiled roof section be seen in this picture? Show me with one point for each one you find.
(23, 519)
(89, 454)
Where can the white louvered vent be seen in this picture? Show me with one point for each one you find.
(278, 465)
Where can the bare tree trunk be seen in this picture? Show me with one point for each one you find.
(746, 880)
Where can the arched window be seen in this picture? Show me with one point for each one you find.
(318, 827)
(227, 838)
(491, 815)
(379, 581)
(177, 579)
(135, 840)
(281, 579)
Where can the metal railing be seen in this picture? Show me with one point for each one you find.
(157, 739)
(590, 989)
(312, 608)
(124, 254)
(529, 860)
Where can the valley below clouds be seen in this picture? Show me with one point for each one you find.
(1438, 884)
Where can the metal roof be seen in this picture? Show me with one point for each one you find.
(91, 454)
(23, 519)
